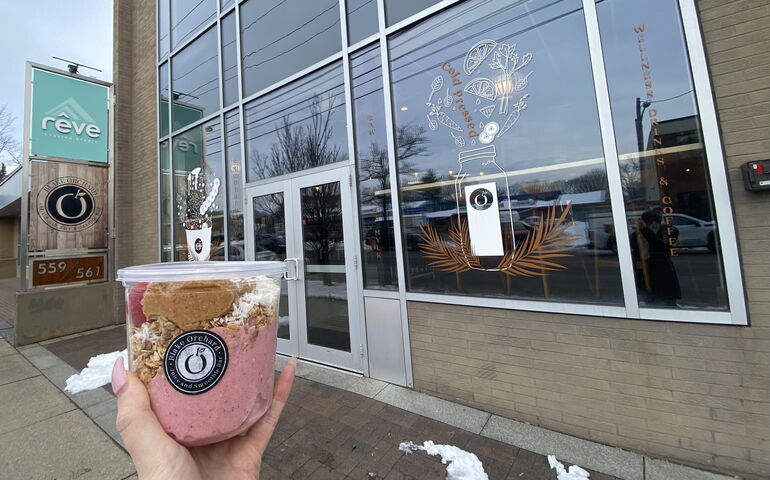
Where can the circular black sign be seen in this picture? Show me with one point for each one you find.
(195, 361)
(481, 199)
(70, 204)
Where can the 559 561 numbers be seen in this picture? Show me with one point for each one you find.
(67, 270)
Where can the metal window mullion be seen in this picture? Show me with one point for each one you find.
(353, 174)
(222, 133)
(393, 180)
(611, 160)
(295, 76)
(190, 40)
(157, 134)
(720, 185)
(197, 123)
(242, 131)
(172, 191)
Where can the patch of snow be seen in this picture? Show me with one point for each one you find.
(574, 472)
(97, 373)
(462, 465)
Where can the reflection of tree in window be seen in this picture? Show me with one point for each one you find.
(299, 147)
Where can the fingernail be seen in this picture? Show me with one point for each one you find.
(118, 376)
(293, 361)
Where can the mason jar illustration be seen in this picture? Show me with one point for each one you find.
(482, 205)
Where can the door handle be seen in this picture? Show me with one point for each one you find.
(288, 274)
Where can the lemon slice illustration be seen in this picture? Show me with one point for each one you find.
(477, 54)
(481, 87)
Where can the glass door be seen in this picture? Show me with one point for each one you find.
(266, 239)
(308, 220)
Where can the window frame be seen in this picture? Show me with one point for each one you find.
(737, 313)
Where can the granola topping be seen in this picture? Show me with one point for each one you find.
(174, 307)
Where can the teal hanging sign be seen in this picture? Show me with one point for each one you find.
(70, 118)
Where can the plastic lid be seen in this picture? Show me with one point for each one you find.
(181, 271)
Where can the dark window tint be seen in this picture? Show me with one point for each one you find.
(198, 172)
(663, 161)
(397, 10)
(229, 60)
(297, 127)
(166, 204)
(234, 184)
(195, 81)
(362, 19)
(163, 98)
(189, 17)
(501, 167)
(281, 37)
(376, 208)
(163, 41)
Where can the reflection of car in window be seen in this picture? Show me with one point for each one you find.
(693, 232)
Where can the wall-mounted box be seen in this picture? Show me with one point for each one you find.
(756, 175)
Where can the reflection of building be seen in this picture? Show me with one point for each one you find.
(577, 350)
(679, 142)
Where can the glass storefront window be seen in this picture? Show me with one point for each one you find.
(188, 17)
(195, 81)
(163, 107)
(397, 10)
(671, 220)
(234, 185)
(225, 4)
(229, 61)
(270, 244)
(166, 210)
(198, 160)
(297, 127)
(377, 235)
(163, 28)
(362, 19)
(279, 39)
(502, 173)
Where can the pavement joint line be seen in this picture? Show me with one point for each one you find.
(21, 379)
(39, 421)
(595, 462)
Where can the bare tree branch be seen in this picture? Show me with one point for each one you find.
(10, 146)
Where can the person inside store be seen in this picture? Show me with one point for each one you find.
(651, 245)
(157, 456)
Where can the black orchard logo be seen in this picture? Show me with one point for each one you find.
(69, 204)
(195, 361)
(481, 199)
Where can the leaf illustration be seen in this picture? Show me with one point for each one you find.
(534, 257)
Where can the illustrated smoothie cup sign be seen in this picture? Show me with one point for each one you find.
(202, 338)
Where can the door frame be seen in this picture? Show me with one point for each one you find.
(290, 188)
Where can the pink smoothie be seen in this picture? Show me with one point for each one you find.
(234, 404)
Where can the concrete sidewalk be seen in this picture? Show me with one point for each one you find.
(45, 435)
(335, 426)
(325, 433)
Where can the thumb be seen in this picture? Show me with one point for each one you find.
(145, 439)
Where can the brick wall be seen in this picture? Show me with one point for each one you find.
(136, 176)
(696, 394)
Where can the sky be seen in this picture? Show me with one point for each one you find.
(36, 30)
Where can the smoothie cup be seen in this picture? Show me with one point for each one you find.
(202, 339)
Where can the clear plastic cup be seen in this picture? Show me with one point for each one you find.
(202, 338)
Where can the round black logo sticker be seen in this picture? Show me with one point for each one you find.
(481, 199)
(195, 361)
(69, 204)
